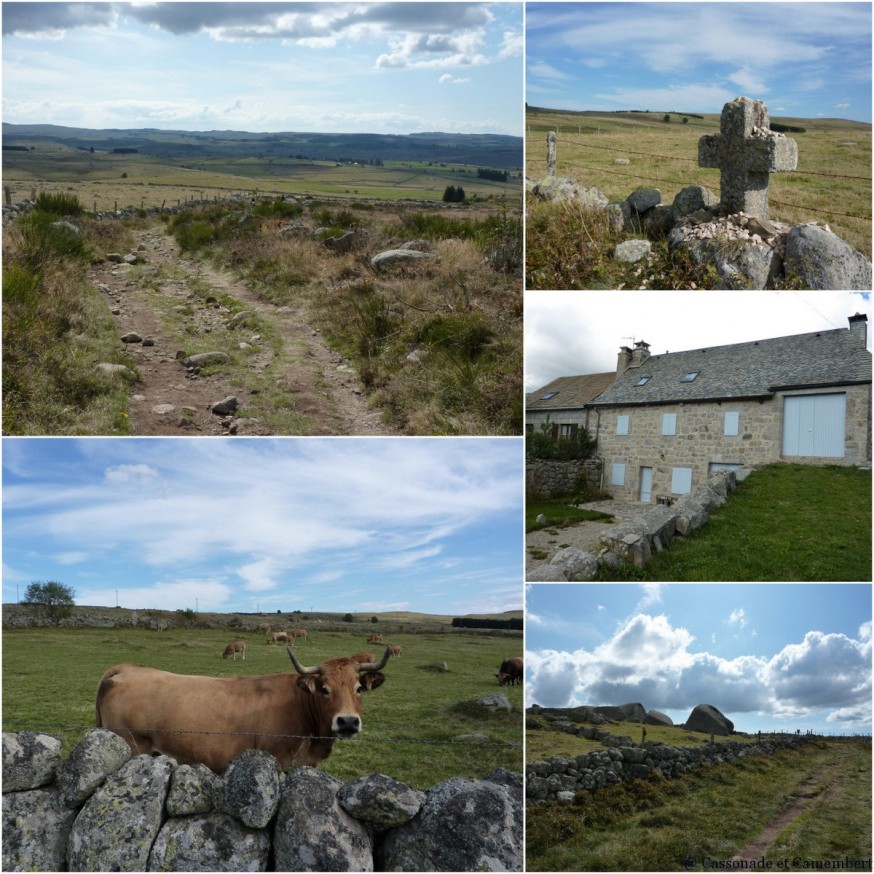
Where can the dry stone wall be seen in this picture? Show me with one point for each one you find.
(559, 778)
(548, 479)
(103, 810)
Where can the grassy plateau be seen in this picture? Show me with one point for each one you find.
(698, 821)
(421, 727)
(832, 185)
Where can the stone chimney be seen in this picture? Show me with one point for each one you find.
(859, 328)
(623, 360)
(640, 354)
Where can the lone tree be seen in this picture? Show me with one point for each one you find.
(53, 600)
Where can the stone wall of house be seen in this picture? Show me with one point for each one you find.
(550, 479)
(700, 441)
(101, 810)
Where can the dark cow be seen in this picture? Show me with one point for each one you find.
(212, 720)
(509, 672)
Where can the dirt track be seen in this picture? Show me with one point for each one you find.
(323, 391)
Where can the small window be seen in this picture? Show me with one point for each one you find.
(731, 425)
(567, 431)
(643, 380)
(690, 377)
(669, 424)
(681, 480)
(617, 475)
(549, 395)
(622, 426)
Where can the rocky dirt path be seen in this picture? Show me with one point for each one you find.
(325, 395)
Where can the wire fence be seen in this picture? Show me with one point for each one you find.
(43, 726)
(681, 183)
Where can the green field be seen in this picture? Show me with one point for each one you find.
(699, 820)
(147, 180)
(665, 156)
(421, 727)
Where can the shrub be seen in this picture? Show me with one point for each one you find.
(59, 204)
(545, 444)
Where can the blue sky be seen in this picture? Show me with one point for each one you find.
(340, 525)
(769, 656)
(574, 334)
(802, 59)
(323, 66)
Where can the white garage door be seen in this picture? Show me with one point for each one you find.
(813, 425)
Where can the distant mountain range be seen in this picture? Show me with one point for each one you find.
(484, 150)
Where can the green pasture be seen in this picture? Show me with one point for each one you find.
(421, 727)
(665, 156)
(135, 180)
(700, 819)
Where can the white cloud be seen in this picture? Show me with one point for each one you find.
(649, 660)
(176, 595)
(738, 617)
(749, 81)
(131, 473)
(652, 594)
(543, 70)
(72, 557)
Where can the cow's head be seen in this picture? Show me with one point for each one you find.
(338, 685)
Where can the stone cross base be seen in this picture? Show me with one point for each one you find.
(746, 150)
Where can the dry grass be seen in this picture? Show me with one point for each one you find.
(664, 156)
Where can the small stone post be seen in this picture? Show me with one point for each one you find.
(7, 195)
(746, 150)
(550, 153)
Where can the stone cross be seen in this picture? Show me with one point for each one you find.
(746, 150)
(550, 153)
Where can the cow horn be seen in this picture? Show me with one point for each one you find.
(298, 666)
(375, 666)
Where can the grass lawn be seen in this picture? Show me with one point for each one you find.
(785, 523)
(421, 727)
(695, 821)
(559, 514)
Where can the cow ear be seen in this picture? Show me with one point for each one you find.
(308, 683)
(372, 680)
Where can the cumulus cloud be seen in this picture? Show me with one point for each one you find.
(650, 660)
(738, 617)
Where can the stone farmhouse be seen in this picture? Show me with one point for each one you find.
(667, 421)
(563, 403)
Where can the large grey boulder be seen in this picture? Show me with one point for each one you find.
(193, 789)
(691, 199)
(643, 199)
(251, 788)
(578, 565)
(629, 540)
(546, 573)
(36, 827)
(399, 258)
(821, 260)
(119, 823)
(464, 826)
(215, 842)
(705, 717)
(690, 515)
(313, 833)
(563, 188)
(656, 717)
(99, 754)
(380, 801)
(30, 760)
(622, 712)
(659, 522)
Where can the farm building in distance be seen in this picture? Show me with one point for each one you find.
(667, 421)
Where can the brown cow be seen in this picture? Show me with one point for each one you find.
(509, 672)
(295, 717)
(234, 647)
(296, 633)
(376, 637)
(395, 650)
(276, 636)
(263, 628)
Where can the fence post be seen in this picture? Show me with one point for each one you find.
(550, 153)
(7, 194)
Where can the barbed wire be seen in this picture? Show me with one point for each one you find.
(695, 160)
(829, 212)
(307, 737)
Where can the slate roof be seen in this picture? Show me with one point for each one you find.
(571, 392)
(745, 370)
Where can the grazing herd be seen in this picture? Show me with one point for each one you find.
(211, 720)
